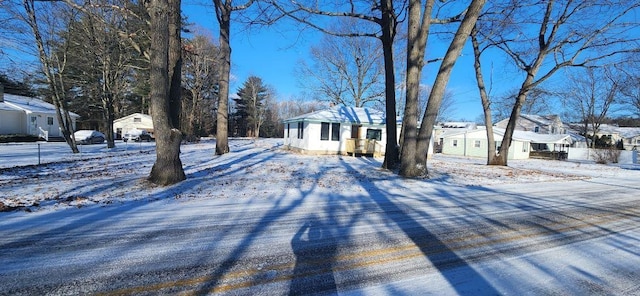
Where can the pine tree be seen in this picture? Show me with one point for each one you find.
(249, 114)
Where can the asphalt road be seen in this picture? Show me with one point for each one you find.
(394, 241)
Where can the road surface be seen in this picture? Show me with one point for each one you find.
(574, 237)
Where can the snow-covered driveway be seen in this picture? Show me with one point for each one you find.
(264, 221)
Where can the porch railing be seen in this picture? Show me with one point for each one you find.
(364, 146)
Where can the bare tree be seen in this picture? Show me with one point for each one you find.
(630, 86)
(566, 34)
(100, 60)
(53, 62)
(165, 25)
(200, 76)
(384, 14)
(224, 8)
(345, 71)
(415, 146)
(590, 95)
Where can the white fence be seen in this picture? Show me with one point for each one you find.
(626, 157)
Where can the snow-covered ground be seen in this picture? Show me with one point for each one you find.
(99, 176)
(91, 223)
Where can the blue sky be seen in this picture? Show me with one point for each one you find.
(272, 54)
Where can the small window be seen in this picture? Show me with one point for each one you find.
(49, 120)
(455, 143)
(536, 129)
(137, 119)
(374, 134)
(476, 143)
(324, 131)
(300, 130)
(335, 131)
(288, 129)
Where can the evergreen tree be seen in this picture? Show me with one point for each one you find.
(249, 113)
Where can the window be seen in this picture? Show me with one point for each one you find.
(374, 134)
(329, 128)
(324, 131)
(300, 129)
(455, 143)
(335, 132)
(49, 120)
(536, 129)
(476, 143)
(137, 119)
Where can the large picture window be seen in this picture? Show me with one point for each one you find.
(327, 129)
(374, 134)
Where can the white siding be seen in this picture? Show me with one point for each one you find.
(12, 122)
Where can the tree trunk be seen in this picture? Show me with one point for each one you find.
(388, 35)
(437, 91)
(175, 63)
(416, 45)
(484, 97)
(168, 166)
(57, 89)
(107, 105)
(222, 118)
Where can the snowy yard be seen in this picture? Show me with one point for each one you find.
(99, 176)
(237, 224)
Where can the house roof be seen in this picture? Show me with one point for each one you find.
(523, 136)
(146, 116)
(544, 138)
(29, 105)
(342, 114)
(545, 120)
(624, 132)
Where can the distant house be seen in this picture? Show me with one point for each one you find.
(135, 121)
(629, 136)
(547, 124)
(338, 130)
(474, 143)
(29, 116)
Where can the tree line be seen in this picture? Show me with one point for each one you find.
(539, 38)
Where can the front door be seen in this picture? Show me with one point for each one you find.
(355, 131)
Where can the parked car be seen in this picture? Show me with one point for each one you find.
(137, 136)
(89, 137)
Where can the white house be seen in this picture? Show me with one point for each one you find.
(629, 136)
(135, 121)
(474, 143)
(29, 116)
(547, 124)
(336, 130)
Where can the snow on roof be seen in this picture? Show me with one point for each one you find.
(133, 115)
(29, 104)
(625, 132)
(545, 138)
(343, 114)
(542, 119)
(524, 136)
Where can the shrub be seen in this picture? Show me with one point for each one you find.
(604, 156)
